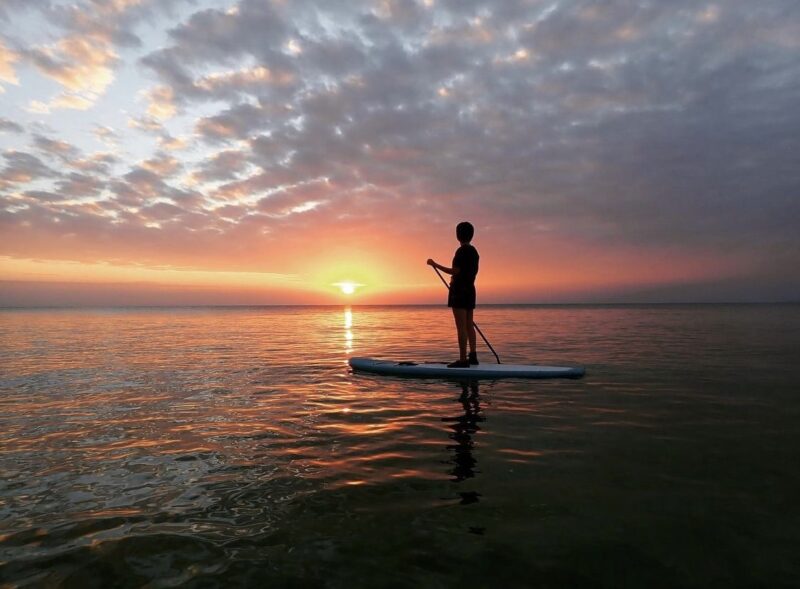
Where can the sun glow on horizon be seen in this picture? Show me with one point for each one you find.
(347, 287)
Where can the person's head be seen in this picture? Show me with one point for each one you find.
(465, 231)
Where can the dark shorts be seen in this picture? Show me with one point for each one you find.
(462, 297)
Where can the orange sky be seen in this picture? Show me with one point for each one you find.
(386, 270)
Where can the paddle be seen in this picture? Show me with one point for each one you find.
(478, 329)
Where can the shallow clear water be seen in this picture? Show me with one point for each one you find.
(213, 447)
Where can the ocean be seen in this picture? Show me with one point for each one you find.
(219, 447)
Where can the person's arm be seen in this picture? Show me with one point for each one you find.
(453, 271)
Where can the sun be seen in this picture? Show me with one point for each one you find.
(347, 287)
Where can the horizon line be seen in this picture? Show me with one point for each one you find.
(366, 305)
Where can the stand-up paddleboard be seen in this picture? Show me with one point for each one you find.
(440, 370)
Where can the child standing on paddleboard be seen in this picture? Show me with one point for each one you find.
(462, 293)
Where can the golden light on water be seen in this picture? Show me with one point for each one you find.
(348, 330)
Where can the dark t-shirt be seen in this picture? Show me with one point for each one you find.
(466, 260)
(462, 285)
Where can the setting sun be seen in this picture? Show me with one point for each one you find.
(347, 287)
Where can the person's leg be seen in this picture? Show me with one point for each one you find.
(471, 332)
(460, 316)
(473, 356)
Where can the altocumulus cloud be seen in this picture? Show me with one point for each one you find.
(614, 124)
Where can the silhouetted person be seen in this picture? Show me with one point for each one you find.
(462, 293)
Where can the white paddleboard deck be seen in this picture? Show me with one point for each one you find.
(440, 370)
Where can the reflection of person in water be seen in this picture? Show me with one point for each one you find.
(464, 427)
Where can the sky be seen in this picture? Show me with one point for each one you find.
(270, 151)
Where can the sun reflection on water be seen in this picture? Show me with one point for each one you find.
(348, 330)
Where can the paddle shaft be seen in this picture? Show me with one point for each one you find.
(478, 329)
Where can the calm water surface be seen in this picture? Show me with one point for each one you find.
(215, 447)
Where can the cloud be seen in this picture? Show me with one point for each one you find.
(73, 101)
(217, 36)
(7, 60)
(38, 107)
(170, 143)
(243, 81)
(76, 185)
(82, 64)
(115, 20)
(7, 126)
(106, 135)
(163, 165)
(161, 103)
(297, 199)
(224, 165)
(43, 196)
(160, 212)
(145, 183)
(147, 124)
(22, 167)
(55, 147)
(100, 163)
(84, 59)
(252, 31)
(237, 122)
